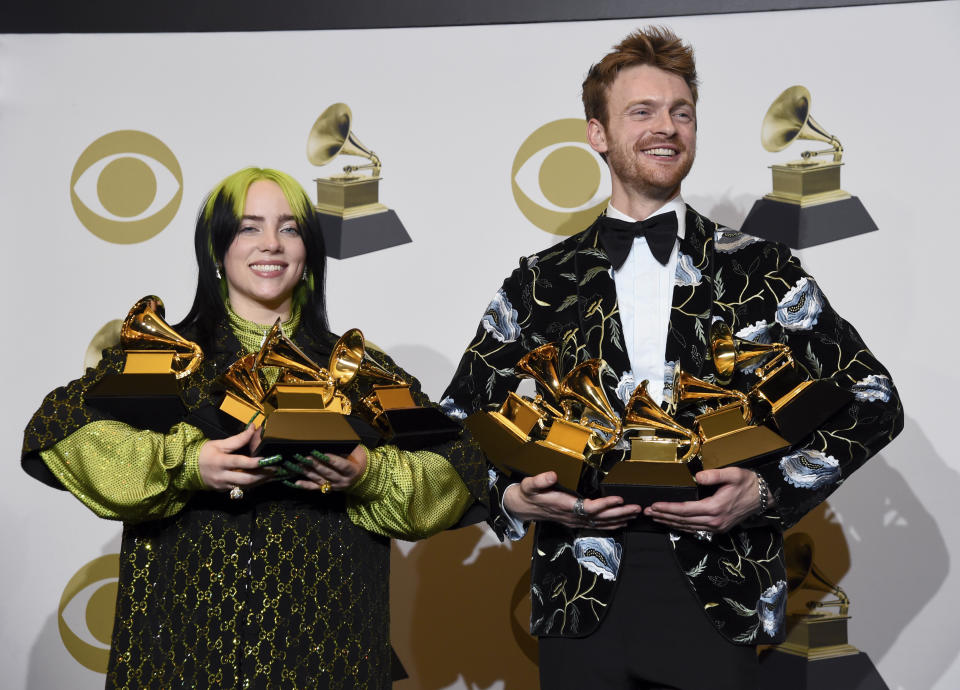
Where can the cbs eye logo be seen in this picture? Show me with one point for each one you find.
(86, 611)
(557, 178)
(126, 187)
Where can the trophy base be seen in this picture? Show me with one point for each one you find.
(347, 237)
(418, 427)
(729, 440)
(807, 226)
(511, 451)
(805, 408)
(145, 401)
(301, 431)
(499, 438)
(541, 456)
(647, 481)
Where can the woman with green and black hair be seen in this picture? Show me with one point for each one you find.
(227, 578)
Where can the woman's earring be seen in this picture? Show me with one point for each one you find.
(217, 270)
(303, 277)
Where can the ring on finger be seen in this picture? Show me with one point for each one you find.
(325, 487)
(578, 508)
(236, 493)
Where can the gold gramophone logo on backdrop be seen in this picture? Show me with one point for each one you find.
(816, 652)
(86, 612)
(557, 178)
(355, 222)
(126, 187)
(807, 206)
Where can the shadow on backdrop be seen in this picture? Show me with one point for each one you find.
(902, 560)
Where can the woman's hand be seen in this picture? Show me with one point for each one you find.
(325, 471)
(223, 469)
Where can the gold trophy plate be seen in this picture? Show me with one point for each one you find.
(729, 440)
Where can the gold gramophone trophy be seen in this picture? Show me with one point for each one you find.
(660, 448)
(146, 394)
(534, 436)
(303, 411)
(389, 407)
(796, 405)
(816, 653)
(355, 222)
(727, 433)
(807, 206)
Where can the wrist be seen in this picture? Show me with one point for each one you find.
(763, 494)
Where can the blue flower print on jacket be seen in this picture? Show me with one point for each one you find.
(801, 306)
(600, 555)
(687, 273)
(729, 241)
(873, 388)
(669, 368)
(449, 407)
(626, 386)
(772, 607)
(759, 332)
(500, 319)
(809, 469)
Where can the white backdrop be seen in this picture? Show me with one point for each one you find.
(446, 109)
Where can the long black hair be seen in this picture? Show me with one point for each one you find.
(218, 224)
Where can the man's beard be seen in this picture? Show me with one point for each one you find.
(634, 170)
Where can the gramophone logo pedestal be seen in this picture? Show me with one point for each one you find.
(816, 654)
(807, 206)
(354, 221)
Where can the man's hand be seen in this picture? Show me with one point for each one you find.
(535, 498)
(735, 499)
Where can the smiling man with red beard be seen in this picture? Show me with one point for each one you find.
(668, 595)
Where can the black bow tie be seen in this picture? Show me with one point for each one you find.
(616, 236)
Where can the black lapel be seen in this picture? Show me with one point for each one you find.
(689, 330)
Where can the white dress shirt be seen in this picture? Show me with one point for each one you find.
(645, 297)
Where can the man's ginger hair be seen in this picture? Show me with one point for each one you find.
(656, 46)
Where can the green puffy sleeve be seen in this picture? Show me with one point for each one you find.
(123, 473)
(407, 494)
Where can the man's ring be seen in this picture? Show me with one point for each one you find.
(236, 493)
(578, 508)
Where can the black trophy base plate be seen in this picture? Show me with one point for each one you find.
(346, 237)
(145, 401)
(643, 495)
(812, 407)
(807, 226)
(783, 671)
(420, 427)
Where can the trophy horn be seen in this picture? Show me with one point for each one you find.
(279, 351)
(541, 364)
(802, 573)
(331, 136)
(789, 118)
(242, 379)
(349, 359)
(730, 352)
(689, 388)
(145, 329)
(644, 413)
(583, 385)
